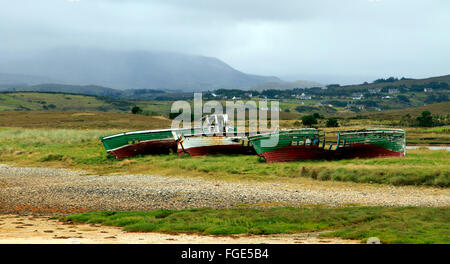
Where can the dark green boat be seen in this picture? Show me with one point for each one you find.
(370, 143)
(130, 144)
(291, 145)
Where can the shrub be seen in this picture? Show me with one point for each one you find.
(332, 122)
(425, 120)
(309, 120)
(136, 110)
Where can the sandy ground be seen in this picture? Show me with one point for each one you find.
(21, 229)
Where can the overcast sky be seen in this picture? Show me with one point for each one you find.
(331, 41)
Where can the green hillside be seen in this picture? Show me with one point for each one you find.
(62, 102)
(35, 101)
(408, 83)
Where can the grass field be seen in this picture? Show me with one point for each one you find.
(130, 122)
(71, 140)
(389, 224)
(81, 120)
(61, 102)
(82, 149)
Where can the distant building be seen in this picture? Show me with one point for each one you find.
(393, 91)
(358, 106)
(427, 90)
(303, 96)
(374, 90)
(357, 96)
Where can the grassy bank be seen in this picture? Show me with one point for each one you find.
(82, 149)
(390, 224)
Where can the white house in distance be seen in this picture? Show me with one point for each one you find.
(357, 96)
(303, 96)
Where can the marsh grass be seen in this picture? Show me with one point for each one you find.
(390, 224)
(82, 149)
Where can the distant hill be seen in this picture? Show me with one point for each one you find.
(407, 83)
(285, 85)
(436, 109)
(63, 88)
(40, 101)
(139, 94)
(132, 70)
(63, 102)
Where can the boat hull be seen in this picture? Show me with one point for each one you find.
(361, 150)
(289, 145)
(130, 144)
(213, 145)
(294, 153)
(161, 146)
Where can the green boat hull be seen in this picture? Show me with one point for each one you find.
(131, 144)
(289, 145)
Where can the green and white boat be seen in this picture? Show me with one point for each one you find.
(159, 141)
(370, 143)
(289, 145)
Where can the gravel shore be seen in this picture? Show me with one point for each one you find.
(63, 191)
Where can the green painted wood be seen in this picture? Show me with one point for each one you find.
(285, 138)
(391, 139)
(120, 140)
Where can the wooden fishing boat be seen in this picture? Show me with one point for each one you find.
(130, 144)
(217, 138)
(289, 145)
(211, 144)
(370, 143)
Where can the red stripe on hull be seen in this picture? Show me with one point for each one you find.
(220, 149)
(294, 153)
(144, 148)
(365, 151)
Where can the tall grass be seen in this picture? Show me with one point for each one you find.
(82, 149)
(390, 224)
(52, 136)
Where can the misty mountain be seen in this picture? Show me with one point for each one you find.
(132, 70)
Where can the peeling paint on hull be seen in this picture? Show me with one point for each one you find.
(220, 149)
(364, 151)
(163, 146)
(294, 153)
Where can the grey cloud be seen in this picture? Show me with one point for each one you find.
(347, 39)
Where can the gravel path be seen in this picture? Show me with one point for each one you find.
(60, 190)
